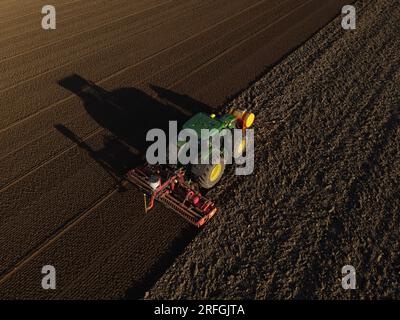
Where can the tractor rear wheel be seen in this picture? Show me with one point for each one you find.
(208, 175)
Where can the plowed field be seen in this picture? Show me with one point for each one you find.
(76, 103)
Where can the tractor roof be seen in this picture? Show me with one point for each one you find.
(204, 121)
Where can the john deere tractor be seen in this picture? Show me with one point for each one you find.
(208, 175)
(172, 185)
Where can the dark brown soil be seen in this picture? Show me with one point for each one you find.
(64, 150)
(325, 191)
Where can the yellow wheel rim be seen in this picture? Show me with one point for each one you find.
(215, 172)
(249, 119)
(242, 147)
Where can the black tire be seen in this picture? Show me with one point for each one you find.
(202, 174)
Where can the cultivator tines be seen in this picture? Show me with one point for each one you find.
(169, 187)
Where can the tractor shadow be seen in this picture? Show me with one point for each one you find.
(126, 115)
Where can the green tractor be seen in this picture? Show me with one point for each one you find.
(173, 185)
(208, 175)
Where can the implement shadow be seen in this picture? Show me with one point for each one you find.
(127, 114)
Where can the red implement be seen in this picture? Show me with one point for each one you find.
(169, 187)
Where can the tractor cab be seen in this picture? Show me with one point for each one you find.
(211, 122)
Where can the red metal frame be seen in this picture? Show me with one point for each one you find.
(174, 192)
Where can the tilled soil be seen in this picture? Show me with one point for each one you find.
(76, 104)
(325, 190)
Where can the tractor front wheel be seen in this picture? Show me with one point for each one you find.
(208, 175)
